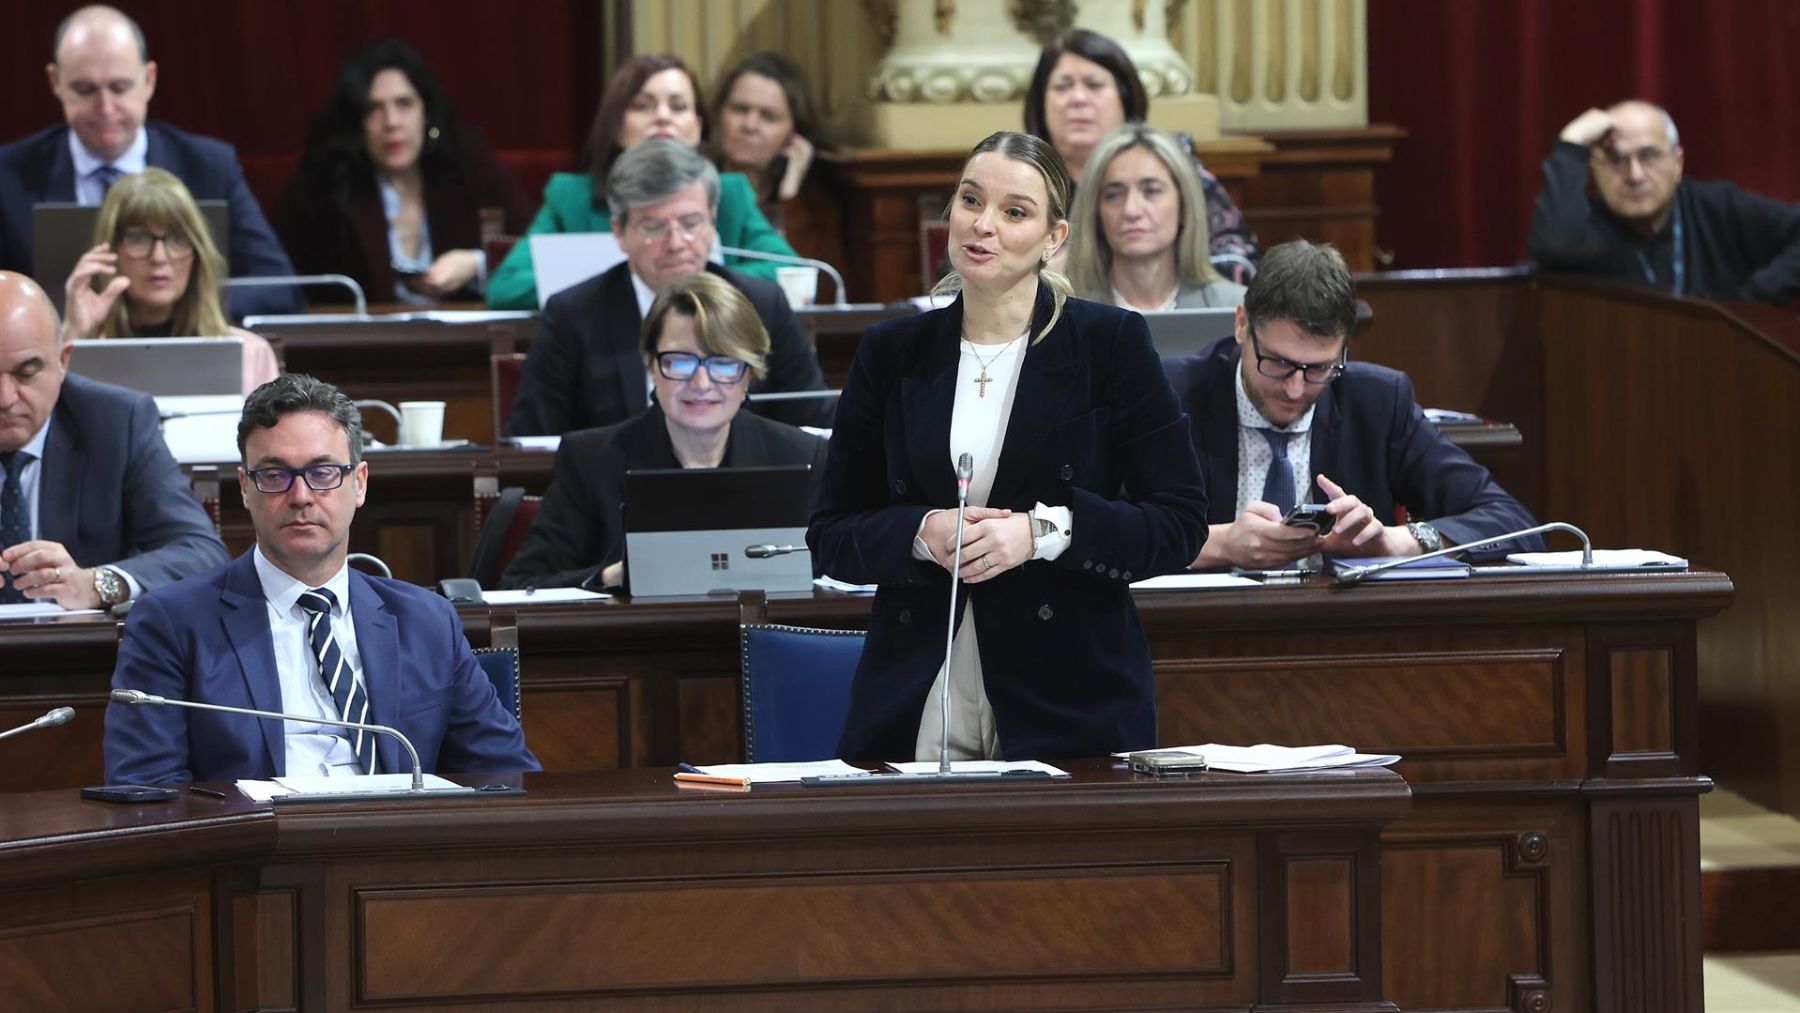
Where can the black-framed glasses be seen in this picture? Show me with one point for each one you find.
(1651, 157)
(319, 477)
(137, 244)
(681, 366)
(1316, 373)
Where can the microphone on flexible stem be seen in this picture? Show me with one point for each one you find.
(781, 258)
(770, 551)
(1356, 574)
(965, 472)
(59, 716)
(139, 697)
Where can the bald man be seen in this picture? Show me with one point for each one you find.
(93, 510)
(1647, 224)
(103, 77)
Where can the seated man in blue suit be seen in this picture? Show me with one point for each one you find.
(93, 510)
(104, 79)
(1279, 405)
(289, 627)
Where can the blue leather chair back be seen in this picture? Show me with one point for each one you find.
(796, 686)
(501, 664)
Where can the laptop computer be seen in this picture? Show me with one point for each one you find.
(198, 384)
(711, 530)
(1183, 332)
(61, 233)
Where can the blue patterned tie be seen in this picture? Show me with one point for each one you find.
(106, 176)
(346, 689)
(1278, 487)
(14, 526)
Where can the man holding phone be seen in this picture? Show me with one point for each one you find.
(1283, 420)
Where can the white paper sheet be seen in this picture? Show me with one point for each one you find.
(772, 773)
(834, 584)
(358, 784)
(535, 442)
(541, 596)
(1192, 582)
(1602, 557)
(41, 609)
(979, 767)
(1265, 757)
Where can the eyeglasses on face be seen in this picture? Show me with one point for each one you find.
(681, 366)
(319, 477)
(1650, 157)
(654, 230)
(1316, 373)
(138, 243)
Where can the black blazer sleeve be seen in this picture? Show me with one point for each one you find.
(551, 378)
(1564, 233)
(578, 528)
(168, 532)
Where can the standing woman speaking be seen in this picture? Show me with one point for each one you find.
(1085, 480)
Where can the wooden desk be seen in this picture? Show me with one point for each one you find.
(621, 889)
(1548, 727)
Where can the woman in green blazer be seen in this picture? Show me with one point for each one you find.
(650, 96)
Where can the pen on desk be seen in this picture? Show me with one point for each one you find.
(208, 792)
(688, 773)
(1294, 574)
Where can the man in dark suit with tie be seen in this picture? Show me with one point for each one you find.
(93, 510)
(1279, 406)
(586, 369)
(289, 627)
(104, 79)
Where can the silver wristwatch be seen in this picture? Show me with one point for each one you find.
(110, 586)
(1427, 536)
(1040, 527)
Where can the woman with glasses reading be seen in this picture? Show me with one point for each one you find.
(154, 272)
(1082, 479)
(702, 342)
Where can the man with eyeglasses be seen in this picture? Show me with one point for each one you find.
(102, 75)
(1646, 224)
(93, 510)
(585, 369)
(289, 627)
(1282, 417)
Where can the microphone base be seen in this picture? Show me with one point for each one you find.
(879, 779)
(402, 795)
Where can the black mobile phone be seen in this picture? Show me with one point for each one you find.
(1310, 515)
(129, 793)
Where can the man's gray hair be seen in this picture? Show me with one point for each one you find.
(291, 393)
(655, 170)
(96, 11)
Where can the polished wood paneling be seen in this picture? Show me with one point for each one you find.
(1320, 908)
(1320, 185)
(1646, 924)
(1643, 704)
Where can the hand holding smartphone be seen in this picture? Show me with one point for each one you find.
(1310, 515)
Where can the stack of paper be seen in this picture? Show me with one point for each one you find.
(1436, 568)
(1264, 758)
(1602, 557)
(540, 596)
(980, 767)
(1192, 582)
(772, 773)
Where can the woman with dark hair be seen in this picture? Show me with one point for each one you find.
(1083, 479)
(1085, 86)
(391, 189)
(653, 95)
(766, 129)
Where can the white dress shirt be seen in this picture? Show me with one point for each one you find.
(88, 190)
(1254, 454)
(646, 298)
(312, 749)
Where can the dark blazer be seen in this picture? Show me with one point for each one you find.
(580, 528)
(110, 492)
(1095, 428)
(585, 368)
(325, 238)
(38, 168)
(207, 639)
(1370, 437)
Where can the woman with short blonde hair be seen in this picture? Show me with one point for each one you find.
(154, 271)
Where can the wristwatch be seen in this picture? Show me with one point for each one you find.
(1428, 537)
(111, 587)
(1040, 528)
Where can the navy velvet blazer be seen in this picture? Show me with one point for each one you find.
(1094, 427)
(110, 492)
(39, 169)
(207, 639)
(1370, 436)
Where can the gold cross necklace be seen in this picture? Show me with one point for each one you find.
(981, 382)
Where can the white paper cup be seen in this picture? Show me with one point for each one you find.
(800, 283)
(421, 423)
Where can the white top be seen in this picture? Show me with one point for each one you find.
(312, 749)
(646, 298)
(88, 190)
(1254, 454)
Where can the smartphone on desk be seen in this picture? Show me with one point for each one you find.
(1310, 515)
(129, 793)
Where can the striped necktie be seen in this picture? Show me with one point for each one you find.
(346, 689)
(13, 522)
(106, 176)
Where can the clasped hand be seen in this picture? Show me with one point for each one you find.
(994, 541)
(43, 570)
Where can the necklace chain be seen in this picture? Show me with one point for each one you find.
(981, 382)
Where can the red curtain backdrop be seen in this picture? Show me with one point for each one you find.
(253, 72)
(1484, 87)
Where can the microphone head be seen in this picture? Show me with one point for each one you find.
(965, 468)
(133, 696)
(59, 716)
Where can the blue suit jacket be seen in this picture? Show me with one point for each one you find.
(207, 639)
(39, 169)
(1094, 427)
(1370, 436)
(110, 492)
